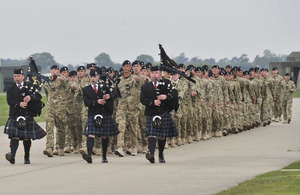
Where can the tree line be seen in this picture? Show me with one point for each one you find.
(46, 60)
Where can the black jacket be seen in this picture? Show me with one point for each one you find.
(90, 99)
(15, 97)
(149, 94)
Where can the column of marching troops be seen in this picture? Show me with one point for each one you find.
(220, 102)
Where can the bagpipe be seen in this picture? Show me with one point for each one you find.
(107, 86)
(33, 84)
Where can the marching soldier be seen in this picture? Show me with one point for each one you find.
(127, 114)
(55, 111)
(288, 88)
(277, 106)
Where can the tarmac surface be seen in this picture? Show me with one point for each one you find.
(204, 167)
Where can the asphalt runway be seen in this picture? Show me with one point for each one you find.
(204, 167)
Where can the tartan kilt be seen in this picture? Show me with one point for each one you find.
(168, 128)
(108, 128)
(31, 131)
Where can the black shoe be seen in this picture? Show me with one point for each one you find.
(26, 161)
(87, 158)
(150, 157)
(104, 160)
(128, 152)
(9, 158)
(162, 159)
(225, 133)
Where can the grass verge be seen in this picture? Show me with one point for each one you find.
(296, 94)
(275, 183)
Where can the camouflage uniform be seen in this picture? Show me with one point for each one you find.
(186, 108)
(127, 114)
(197, 108)
(267, 97)
(141, 125)
(258, 91)
(55, 112)
(287, 99)
(221, 95)
(277, 106)
(206, 110)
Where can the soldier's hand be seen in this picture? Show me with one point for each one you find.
(101, 101)
(73, 87)
(162, 97)
(225, 103)
(194, 93)
(201, 100)
(144, 78)
(27, 98)
(157, 102)
(254, 98)
(210, 105)
(59, 78)
(23, 104)
(106, 96)
(274, 99)
(137, 79)
(219, 104)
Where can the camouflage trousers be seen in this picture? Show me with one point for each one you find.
(277, 106)
(127, 120)
(177, 118)
(73, 130)
(217, 118)
(227, 115)
(266, 110)
(141, 126)
(197, 122)
(56, 119)
(186, 121)
(287, 109)
(258, 106)
(204, 120)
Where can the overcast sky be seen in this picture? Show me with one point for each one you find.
(76, 31)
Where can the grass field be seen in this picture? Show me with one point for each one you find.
(4, 110)
(275, 183)
(296, 94)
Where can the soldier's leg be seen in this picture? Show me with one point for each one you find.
(50, 132)
(122, 122)
(142, 124)
(284, 110)
(289, 110)
(132, 122)
(61, 137)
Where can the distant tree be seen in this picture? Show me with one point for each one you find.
(145, 58)
(268, 57)
(45, 60)
(103, 59)
(195, 60)
(12, 62)
(181, 59)
(209, 61)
